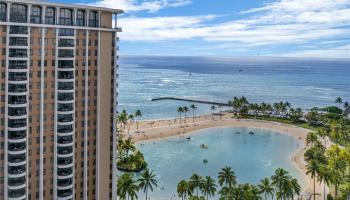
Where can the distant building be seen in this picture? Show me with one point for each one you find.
(58, 100)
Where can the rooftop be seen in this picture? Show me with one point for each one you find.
(47, 3)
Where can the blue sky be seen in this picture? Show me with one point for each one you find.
(293, 28)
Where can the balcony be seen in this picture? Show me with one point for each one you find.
(16, 193)
(64, 161)
(65, 128)
(20, 111)
(65, 86)
(65, 118)
(16, 135)
(17, 99)
(17, 64)
(65, 139)
(15, 170)
(64, 182)
(17, 123)
(17, 88)
(17, 76)
(18, 53)
(18, 30)
(18, 158)
(65, 75)
(65, 107)
(64, 150)
(16, 181)
(65, 96)
(17, 146)
(64, 193)
(64, 171)
(65, 64)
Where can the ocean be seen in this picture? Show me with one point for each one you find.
(304, 83)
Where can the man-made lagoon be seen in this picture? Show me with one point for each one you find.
(252, 157)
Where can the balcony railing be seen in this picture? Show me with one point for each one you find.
(17, 99)
(64, 182)
(17, 169)
(17, 123)
(16, 181)
(17, 146)
(18, 158)
(16, 193)
(64, 161)
(65, 107)
(65, 150)
(64, 193)
(15, 135)
(65, 171)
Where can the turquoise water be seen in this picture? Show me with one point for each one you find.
(304, 83)
(252, 157)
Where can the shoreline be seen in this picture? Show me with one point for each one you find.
(159, 129)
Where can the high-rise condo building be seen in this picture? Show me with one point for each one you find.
(58, 67)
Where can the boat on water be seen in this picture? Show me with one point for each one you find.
(251, 133)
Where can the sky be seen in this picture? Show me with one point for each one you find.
(286, 28)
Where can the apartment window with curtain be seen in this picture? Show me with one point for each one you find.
(80, 18)
(35, 15)
(18, 13)
(66, 17)
(3, 12)
(50, 15)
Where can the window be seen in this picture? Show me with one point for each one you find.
(80, 18)
(66, 16)
(35, 15)
(50, 15)
(93, 19)
(66, 32)
(18, 41)
(18, 30)
(2, 12)
(65, 53)
(66, 42)
(18, 13)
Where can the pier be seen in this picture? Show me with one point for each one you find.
(190, 100)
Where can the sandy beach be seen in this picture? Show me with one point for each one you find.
(157, 129)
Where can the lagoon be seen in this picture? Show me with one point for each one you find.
(252, 157)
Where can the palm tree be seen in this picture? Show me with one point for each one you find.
(185, 110)
(295, 187)
(129, 145)
(147, 181)
(227, 177)
(266, 188)
(220, 107)
(196, 183)
(213, 108)
(226, 193)
(183, 189)
(127, 187)
(339, 101)
(208, 187)
(346, 105)
(122, 119)
(138, 114)
(193, 107)
(325, 176)
(130, 121)
(180, 110)
(313, 168)
(280, 181)
(312, 139)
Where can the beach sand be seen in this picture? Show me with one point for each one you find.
(157, 129)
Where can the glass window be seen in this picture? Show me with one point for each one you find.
(66, 32)
(93, 19)
(2, 12)
(66, 42)
(80, 18)
(66, 16)
(65, 53)
(18, 41)
(50, 15)
(35, 15)
(18, 13)
(18, 30)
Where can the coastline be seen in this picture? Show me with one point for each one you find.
(159, 129)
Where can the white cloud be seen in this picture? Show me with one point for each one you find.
(133, 6)
(293, 22)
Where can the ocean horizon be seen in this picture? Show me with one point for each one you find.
(303, 82)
